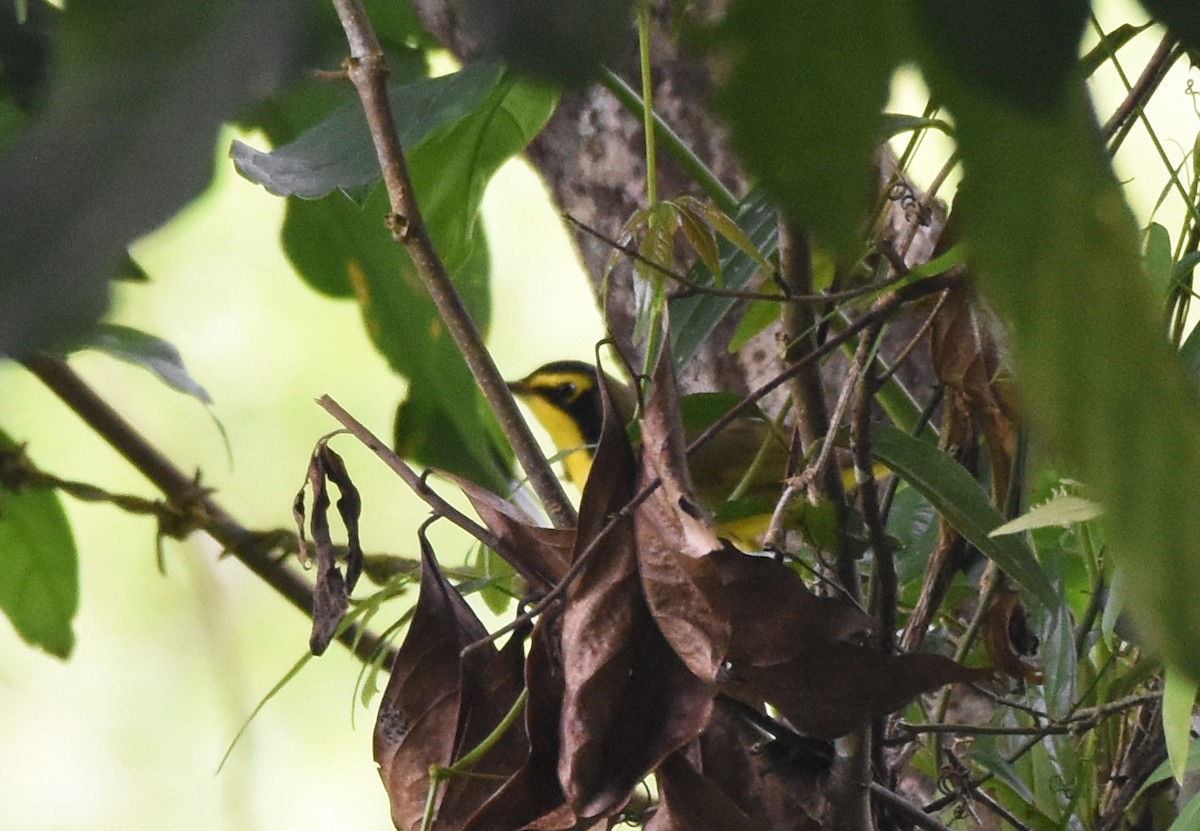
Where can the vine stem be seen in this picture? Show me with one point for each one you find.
(367, 70)
(253, 549)
(643, 26)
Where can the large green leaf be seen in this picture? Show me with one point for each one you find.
(342, 249)
(338, 154)
(125, 139)
(1055, 246)
(805, 94)
(39, 571)
(960, 499)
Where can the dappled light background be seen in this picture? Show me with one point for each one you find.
(129, 733)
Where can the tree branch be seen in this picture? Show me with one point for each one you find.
(252, 548)
(367, 70)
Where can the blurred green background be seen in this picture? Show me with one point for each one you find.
(129, 732)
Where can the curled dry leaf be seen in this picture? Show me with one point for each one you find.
(540, 555)
(331, 593)
(1011, 644)
(628, 699)
(438, 704)
(813, 657)
(689, 801)
(675, 537)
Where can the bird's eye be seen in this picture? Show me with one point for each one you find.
(565, 391)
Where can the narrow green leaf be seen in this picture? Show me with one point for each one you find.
(149, 352)
(960, 499)
(1157, 258)
(39, 571)
(1189, 817)
(1109, 46)
(896, 123)
(700, 236)
(1060, 509)
(759, 315)
(1179, 698)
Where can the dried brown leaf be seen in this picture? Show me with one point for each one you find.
(628, 699)
(675, 538)
(540, 555)
(331, 593)
(828, 690)
(438, 704)
(1010, 643)
(688, 801)
(532, 797)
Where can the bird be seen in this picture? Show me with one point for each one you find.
(738, 475)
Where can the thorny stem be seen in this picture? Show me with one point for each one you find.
(252, 549)
(367, 70)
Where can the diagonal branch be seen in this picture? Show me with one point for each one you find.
(367, 70)
(253, 549)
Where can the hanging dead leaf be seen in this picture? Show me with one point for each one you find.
(438, 704)
(331, 593)
(1011, 644)
(828, 690)
(532, 797)
(540, 555)
(688, 801)
(674, 538)
(628, 698)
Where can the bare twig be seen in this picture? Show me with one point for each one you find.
(906, 809)
(367, 70)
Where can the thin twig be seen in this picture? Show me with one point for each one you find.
(906, 809)
(367, 69)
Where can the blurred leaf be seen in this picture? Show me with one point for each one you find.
(39, 571)
(759, 315)
(1087, 370)
(1189, 816)
(1179, 698)
(1182, 17)
(811, 143)
(125, 140)
(1022, 52)
(149, 352)
(896, 123)
(562, 42)
(1061, 509)
(1157, 258)
(338, 153)
(960, 499)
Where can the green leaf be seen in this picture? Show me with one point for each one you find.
(1060, 509)
(896, 123)
(1179, 697)
(125, 140)
(811, 143)
(1157, 258)
(338, 154)
(1047, 226)
(960, 499)
(1108, 46)
(39, 571)
(149, 352)
(759, 315)
(1189, 817)
(694, 318)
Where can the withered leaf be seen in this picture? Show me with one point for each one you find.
(628, 699)
(437, 703)
(812, 657)
(827, 690)
(1010, 643)
(540, 555)
(674, 539)
(532, 797)
(331, 592)
(688, 801)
